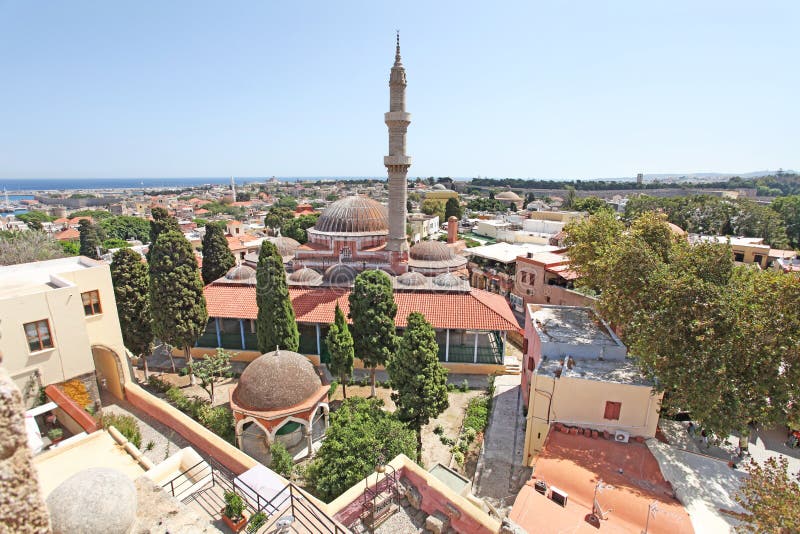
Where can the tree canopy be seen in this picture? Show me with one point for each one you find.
(276, 325)
(28, 246)
(126, 227)
(278, 217)
(419, 380)
(372, 310)
(433, 206)
(360, 435)
(176, 293)
(296, 227)
(217, 256)
(340, 346)
(162, 222)
(131, 290)
(34, 219)
(452, 208)
(91, 239)
(770, 497)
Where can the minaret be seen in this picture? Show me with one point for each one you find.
(233, 189)
(397, 162)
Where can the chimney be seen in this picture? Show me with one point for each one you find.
(452, 230)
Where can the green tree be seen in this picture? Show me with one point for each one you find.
(452, 208)
(297, 226)
(162, 222)
(433, 206)
(770, 497)
(419, 380)
(276, 326)
(591, 242)
(372, 311)
(789, 210)
(34, 219)
(131, 291)
(287, 202)
(217, 256)
(340, 347)
(91, 239)
(126, 227)
(280, 460)
(115, 242)
(277, 217)
(70, 248)
(28, 246)
(176, 293)
(591, 205)
(211, 369)
(361, 435)
(571, 197)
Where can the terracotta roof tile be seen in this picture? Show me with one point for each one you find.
(475, 310)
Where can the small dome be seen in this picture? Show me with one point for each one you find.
(508, 195)
(411, 279)
(340, 274)
(355, 214)
(447, 280)
(305, 276)
(97, 499)
(276, 380)
(439, 187)
(286, 245)
(241, 274)
(430, 251)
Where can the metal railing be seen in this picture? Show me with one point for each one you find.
(190, 476)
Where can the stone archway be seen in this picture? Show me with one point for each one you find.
(109, 371)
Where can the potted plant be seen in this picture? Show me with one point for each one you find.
(233, 513)
(256, 522)
(55, 435)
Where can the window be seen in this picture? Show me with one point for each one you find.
(91, 302)
(38, 334)
(612, 410)
(531, 364)
(524, 277)
(738, 256)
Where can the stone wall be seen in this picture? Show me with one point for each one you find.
(22, 508)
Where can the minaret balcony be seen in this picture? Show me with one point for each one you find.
(397, 160)
(397, 117)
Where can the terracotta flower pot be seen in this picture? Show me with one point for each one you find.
(236, 527)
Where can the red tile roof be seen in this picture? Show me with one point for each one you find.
(69, 234)
(475, 310)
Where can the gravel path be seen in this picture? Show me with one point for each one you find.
(166, 441)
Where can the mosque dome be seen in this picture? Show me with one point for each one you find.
(305, 276)
(276, 380)
(354, 214)
(411, 279)
(447, 280)
(439, 187)
(430, 251)
(241, 274)
(98, 499)
(340, 274)
(508, 196)
(286, 245)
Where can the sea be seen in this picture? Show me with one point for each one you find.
(67, 184)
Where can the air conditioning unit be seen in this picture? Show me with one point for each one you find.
(621, 436)
(558, 496)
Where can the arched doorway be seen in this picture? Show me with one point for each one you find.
(254, 440)
(108, 367)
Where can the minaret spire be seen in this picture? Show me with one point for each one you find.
(397, 162)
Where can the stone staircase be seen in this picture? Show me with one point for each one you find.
(512, 365)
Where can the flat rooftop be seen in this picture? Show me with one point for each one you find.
(508, 252)
(571, 325)
(616, 371)
(35, 277)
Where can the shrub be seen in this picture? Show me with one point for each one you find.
(438, 430)
(458, 457)
(281, 462)
(219, 420)
(158, 384)
(477, 416)
(446, 441)
(451, 387)
(234, 506)
(149, 446)
(469, 434)
(127, 426)
(256, 522)
(332, 390)
(490, 386)
(55, 433)
(464, 386)
(364, 382)
(462, 446)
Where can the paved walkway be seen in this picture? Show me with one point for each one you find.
(500, 473)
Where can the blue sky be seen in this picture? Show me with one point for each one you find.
(526, 89)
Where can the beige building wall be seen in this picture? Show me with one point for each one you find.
(579, 402)
(55, 296)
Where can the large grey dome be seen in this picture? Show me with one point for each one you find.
(276, 380)
(431, 251)
(447, 280)
(305, 276)
(355, 214)
(242, 274)
(411, 279)
(286, 245)
(340, 274)
(97, 499)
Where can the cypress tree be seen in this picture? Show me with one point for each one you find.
(91, 239)
(419, 380)
(217, 255)
(131, 290)
(452, 209)
(176, 293)
(340, 346)
(162, 222)
(372, 310)
(276, 325)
